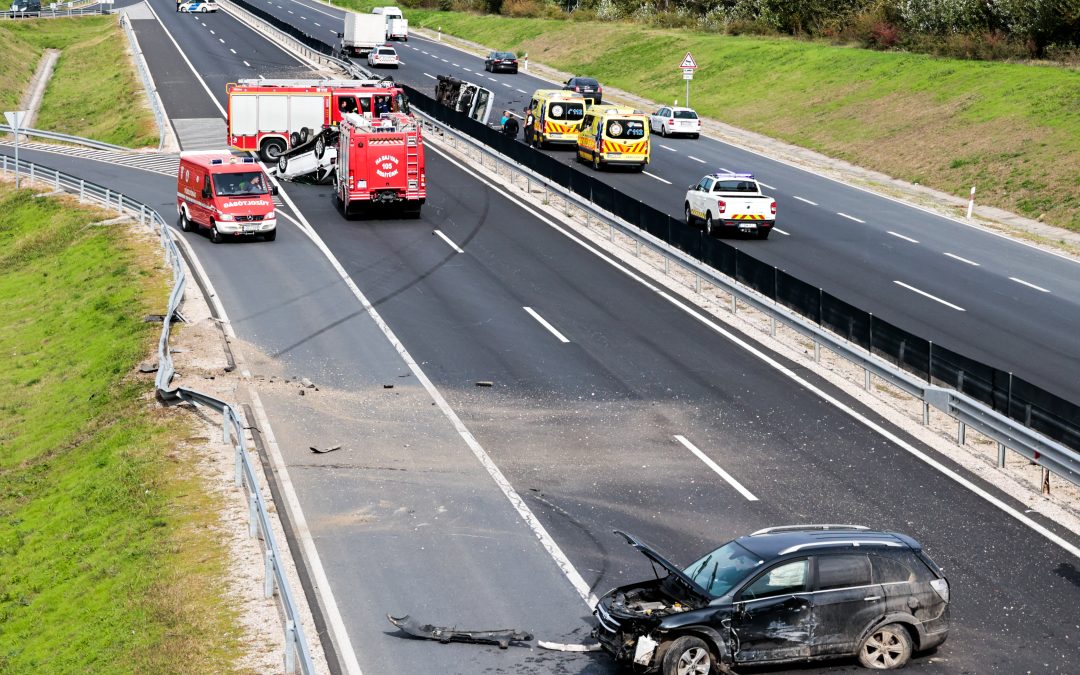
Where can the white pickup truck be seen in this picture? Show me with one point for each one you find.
(730, 201)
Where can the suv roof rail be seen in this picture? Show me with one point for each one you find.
(854, 543)
(807, 528)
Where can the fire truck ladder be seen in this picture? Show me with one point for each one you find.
(412, 161)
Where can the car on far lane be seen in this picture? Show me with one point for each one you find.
(504, 61)
(197, 7)
(785, 594)
(383, 57)
(670, 120)
(587, 87)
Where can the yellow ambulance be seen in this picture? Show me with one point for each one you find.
(554, 116)
(612, 134)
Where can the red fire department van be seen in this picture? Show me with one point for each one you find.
(380, 162)
(226, 194)
(271, 116)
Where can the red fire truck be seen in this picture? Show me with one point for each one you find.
(272, 116)
(380, 162)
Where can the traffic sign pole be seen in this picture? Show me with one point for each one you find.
(688, 66)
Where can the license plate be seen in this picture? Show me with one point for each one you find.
(249, 228)
(747, 228)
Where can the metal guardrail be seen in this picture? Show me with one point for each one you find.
(148, 81)
(56, 136)
(1007, 433)
(297, 651)
(57, 13)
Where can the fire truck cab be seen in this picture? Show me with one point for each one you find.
(380, 161)
(272, 116)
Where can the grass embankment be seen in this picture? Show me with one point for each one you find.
(1012, 130)
(108, 561)
(93, 92)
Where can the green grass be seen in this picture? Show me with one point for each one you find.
(107, 562)
(93, 92)
(1011, 129)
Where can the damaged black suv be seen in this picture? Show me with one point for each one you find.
(782, 594)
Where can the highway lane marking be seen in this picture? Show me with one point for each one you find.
(423, 52)
(1029, 284)
(777, 229)
(247, 64)
(212, 32)
(700, 161)
(716, 467)
(430, 75)
(466, 70)
(289, 11)
(221, 41)
(447, 240)
(493, 79)
(455, 65)
(927, 295)
(232, 50)
(317, 24)
(505, 84)
(840, 213)
(771, 187)
(650, 175)
(666, 147)
(723, 170)
(900, 236)
(963, 260)
(522, 91)
(444, 60)
(804, 200)
(874, 426)
(434, 56)
(543, 322)
(304, 18)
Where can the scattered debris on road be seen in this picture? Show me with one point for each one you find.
(324, 450)
(558, 647)
(502, 637)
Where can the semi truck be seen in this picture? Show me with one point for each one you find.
(362, 33)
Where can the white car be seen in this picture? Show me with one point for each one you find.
(196, 7)
(669, 120)
(383, 56)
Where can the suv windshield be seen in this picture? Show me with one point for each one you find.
(719, 571)
(237, 184)
(572, 111)
(631, 129)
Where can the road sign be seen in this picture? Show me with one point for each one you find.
(688, 62)
(688, 74)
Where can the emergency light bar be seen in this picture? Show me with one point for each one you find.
(732, 174)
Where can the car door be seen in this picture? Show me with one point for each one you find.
(846, 602)
(698, 196)
(656, 120)
(773, 615)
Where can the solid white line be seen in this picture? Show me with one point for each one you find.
(666, 147)
(247, 64)
(850, 217)
(184, 56)
(777, 229)
(656, 177)
(900, 236)
(543, 322)
(1029, 284)
(877, 428)
(804, 200)
(771, 187)
(700, 161)
(716, 467)
(963, 260)
(430, 75)
(447, 240)
(932, 297)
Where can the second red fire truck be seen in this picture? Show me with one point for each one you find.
(380, 161)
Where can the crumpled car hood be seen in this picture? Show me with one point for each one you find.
(651, 553)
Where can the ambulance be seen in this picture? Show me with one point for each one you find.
(554, 116)
(614, 135)
(227, 194)
(380, 162)
(271, 116)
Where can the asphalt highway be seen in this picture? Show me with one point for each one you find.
(990, 298)
(600, 386)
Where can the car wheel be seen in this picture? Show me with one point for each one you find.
(294, 139)
(215, 236)
(305, 134)
(687, 655)
(708, 223)
(694, 135)
(886, 648)
(270, 236)
(320, 147)
(686, 213)
(272, 149)
(282, 164)
(663, 131)
(185, 222)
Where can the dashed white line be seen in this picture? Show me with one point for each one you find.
(434, 56)
(504, 84)
(522, 91)
(963, 260)
(844, 215)
(212, 32)
(444, 60)
(805, 200)
(723, 170)
(716, 467)
(203, 23)
(1029, 284)
(221, 41)
(666, 147)
(423, 52)
(650, 175)
(290, 11)
(545, 324)
(430, 75)
(232, 50)
(304, 18)
(700, 161)
(932, 297)
(778, 230)
(447, 240)
(466, 70)
(493, 79)
(247, 64)
(318, 24)
(900, 236)
(455, 65)
(771, 187)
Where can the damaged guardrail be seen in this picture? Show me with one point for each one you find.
(297, 651)
(1050, 454)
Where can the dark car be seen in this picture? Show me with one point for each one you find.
(504, 61)
(587, 87)
(26, 7)
(780, 595)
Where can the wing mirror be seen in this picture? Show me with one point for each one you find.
(273, 189)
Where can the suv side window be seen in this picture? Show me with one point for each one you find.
(789, 577)
(705, 184)
(842, 571)
(890, 571)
